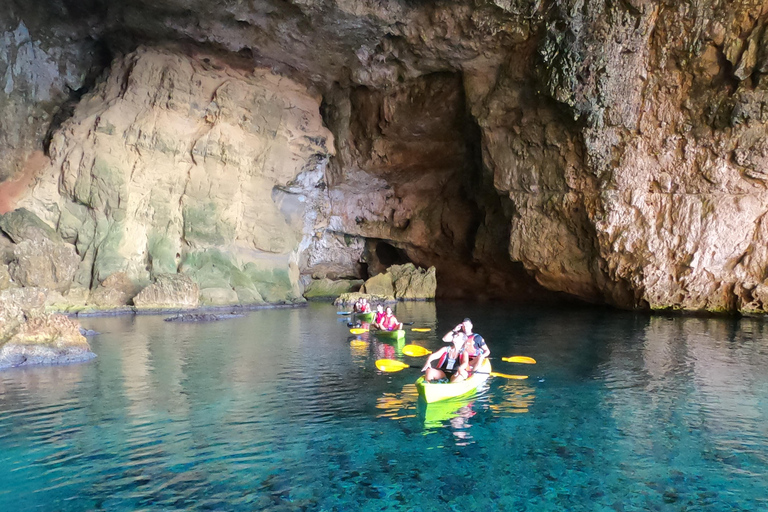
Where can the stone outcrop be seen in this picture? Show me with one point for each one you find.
(169, 291)
(611, 151)
(329, 289)
(349, 299)
(29, 336)
(115, 291)
(48, 339)
(403, 282)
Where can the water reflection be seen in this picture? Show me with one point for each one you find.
(284, 410)
(399, 405)
(514, 397)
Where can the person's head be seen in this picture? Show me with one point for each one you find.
(459, 339)
(379, 308)
(389, 311)
(467, 323)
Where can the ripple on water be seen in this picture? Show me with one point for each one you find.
(281, 411)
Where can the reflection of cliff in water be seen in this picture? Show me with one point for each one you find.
(707, 373)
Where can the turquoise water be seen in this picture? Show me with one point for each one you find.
(282, 410)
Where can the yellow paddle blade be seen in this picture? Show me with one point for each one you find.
(415, 351)
(421, 329)
(507, 376)
(357, 330)
(519, 359)
(390, 365)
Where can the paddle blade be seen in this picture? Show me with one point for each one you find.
(358, 330)
(343, 312)
(519, 359)
(390, 365)
(421, 329)
(507, 376)
(415, 351)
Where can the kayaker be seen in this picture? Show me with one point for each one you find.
(476, 347)
(453, 360)
(389, 322)
(379, 317)
(362, 306)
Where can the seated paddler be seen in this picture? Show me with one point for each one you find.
(390, 322)
(452, 361)
(476, 347)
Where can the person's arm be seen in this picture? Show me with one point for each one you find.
(464, 366)
(464, 360)
(432, 357)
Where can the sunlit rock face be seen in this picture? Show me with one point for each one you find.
(174, 163)
(613, 151)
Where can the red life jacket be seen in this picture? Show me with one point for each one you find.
(389, 323)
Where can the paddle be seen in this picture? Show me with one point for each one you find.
(417, 351)
(343, 312)
(392, 365)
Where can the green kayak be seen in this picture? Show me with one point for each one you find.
(390, 335)
(364, 317)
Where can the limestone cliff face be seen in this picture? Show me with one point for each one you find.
(179, 162)
(614, 151)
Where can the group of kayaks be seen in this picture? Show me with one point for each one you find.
(433, 391)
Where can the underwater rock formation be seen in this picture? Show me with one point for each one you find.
(609, 151)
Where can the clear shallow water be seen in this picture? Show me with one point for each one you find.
(279, 411)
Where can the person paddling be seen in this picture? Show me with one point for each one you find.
(453, 360)
(476, 347)
(389, 322)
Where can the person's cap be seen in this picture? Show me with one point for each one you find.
(467, 320)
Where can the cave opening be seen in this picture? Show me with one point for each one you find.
(389, 255)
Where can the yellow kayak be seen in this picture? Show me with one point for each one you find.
(434, 392)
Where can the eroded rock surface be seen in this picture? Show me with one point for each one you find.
(612, 151)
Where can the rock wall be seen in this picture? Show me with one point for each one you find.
(612, 151)
(182, 162)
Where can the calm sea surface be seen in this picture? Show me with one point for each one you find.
(283, 410)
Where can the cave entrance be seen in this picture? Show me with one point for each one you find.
(389, 255)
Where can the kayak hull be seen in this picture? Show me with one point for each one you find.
(434, 392)
(390, 335)
(364, 317)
